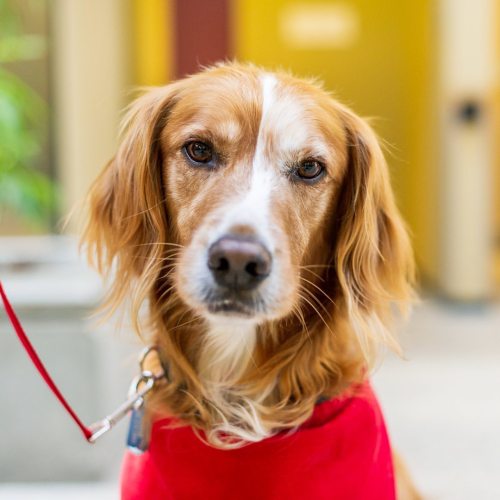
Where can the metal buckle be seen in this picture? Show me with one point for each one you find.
(135, 399)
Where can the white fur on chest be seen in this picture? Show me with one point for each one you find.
(227, 350)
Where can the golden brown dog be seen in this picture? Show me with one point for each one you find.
(254, 216)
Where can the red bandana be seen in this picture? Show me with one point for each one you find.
(342, 452)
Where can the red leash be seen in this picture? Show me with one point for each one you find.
(39, 365)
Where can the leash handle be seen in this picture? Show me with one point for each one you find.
(39, 365)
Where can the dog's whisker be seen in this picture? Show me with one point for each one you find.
(318, 288)
(166, 292)
(149, 209)
(165, 258)
(316, 299)
(300, 316)
(317, 312)
(158, 243)
(316, 265)
(171, 267)
(152, 258)
(303, 268)
(176, 327)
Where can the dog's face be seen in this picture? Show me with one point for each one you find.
(251, 166)
(247, 194)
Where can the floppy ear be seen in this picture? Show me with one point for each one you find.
(127, 217)
(373, 256)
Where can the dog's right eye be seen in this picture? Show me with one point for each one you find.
(199, 152)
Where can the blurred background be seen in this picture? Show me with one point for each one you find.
(428, 75)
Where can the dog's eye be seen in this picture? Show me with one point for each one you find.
(309, 169)
(199, 152)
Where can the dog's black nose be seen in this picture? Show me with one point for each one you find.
(239, 263)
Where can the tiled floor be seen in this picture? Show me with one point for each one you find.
(442, 407)
(59, 491)
(443, 403)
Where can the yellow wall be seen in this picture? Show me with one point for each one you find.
(152, 31)
(382, 69)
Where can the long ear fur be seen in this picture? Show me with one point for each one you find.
(373, 256)
(127, 218)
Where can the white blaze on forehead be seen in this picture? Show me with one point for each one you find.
(294, 126)
(268, 84)
(253, 208)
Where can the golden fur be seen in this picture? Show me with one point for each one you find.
(342, 247)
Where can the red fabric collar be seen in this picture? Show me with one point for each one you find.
(341, 452)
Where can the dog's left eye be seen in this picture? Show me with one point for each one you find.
(309, 169)
(199, 152)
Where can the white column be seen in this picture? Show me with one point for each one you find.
(89, 80)
(468, 69)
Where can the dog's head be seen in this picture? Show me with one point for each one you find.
(252, 198)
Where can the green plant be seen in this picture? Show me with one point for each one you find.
(23, 189)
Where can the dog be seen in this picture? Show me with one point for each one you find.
(251, 215)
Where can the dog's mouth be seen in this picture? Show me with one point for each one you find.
(231, 307)
(234, 304)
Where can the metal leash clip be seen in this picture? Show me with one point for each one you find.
(140, 386)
